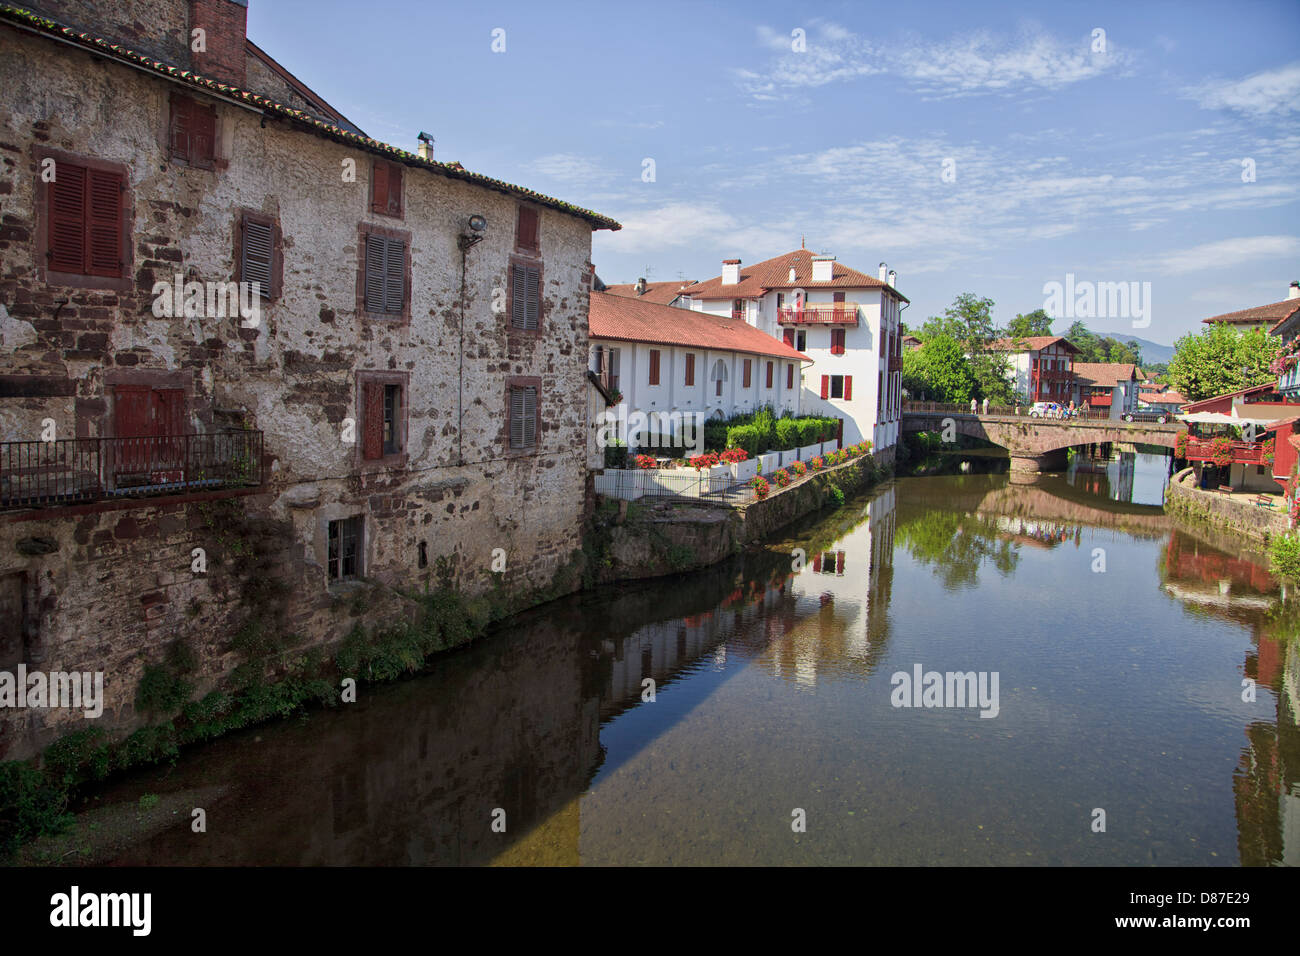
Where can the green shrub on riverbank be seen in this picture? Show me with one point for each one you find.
(1284, 556)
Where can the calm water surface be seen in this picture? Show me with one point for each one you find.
(1120, 645)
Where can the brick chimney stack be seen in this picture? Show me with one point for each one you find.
(225, 35)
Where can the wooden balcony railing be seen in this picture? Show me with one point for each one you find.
(1243, 452)
(37, 474)
(837, 313)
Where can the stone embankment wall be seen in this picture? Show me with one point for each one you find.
(1236, 513)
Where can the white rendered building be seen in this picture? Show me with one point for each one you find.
(845, 321)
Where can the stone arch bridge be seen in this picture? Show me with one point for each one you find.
(1039, 444)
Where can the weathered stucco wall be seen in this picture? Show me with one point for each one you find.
(117, 589)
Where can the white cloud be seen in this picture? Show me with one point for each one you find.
(570, 169)
(1260, 94)
(1225, 253)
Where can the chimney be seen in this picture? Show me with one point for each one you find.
(224, 39)
(425, 149)
(793, 276)
(823, 268)
(883, 269)
(1294, 291)
(730, 271)
(892, 276)
(640, 286)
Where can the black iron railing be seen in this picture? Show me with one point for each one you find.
(35, 474)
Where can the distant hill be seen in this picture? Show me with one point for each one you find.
(1151, 351)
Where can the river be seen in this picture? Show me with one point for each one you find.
(749, 714)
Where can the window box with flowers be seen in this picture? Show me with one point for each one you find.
(742, 467)
(799, 469)
(760, 486)
(816, 463)
(781, 478)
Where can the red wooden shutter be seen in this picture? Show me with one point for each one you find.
(848, 387)
(788, 337)
(769, 374)
(654, 366)
(372, 426)
(817, 564)
(104, 223)
(130, 410)
(839, 562)
(789, 375)
(181, 126)
(379, 187)
(67, 198)
(748, 364)
(394, 195)
(826, 386)
(690, 369)
(526, 228)
(203, 135)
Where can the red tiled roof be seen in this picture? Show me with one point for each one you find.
(1163, 398)
(25, 19)
(661, 293)
(774, 273)
(1273, 314)
(1103, 374)
(1240, 393)
(635, 320)
(1032, 343)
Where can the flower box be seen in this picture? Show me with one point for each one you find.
(809, 452)
(744, 470)
(771, 462)
(789, 455)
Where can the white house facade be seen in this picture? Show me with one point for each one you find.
(659, 359)
(845, 321)
(1040, 368)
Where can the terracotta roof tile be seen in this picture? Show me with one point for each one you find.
(102, 47)
(1273, 314)
(635, 320)
(774, 273)
(1031, 343)
(1103, 374)
(661, 293)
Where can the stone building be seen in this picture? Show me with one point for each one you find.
(258, 372)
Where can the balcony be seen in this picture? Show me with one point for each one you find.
(1243, 452)
(1053, 374)
(1288, 382)
(837, 313)
(36, 474)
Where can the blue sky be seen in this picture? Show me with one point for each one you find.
(1115, 165)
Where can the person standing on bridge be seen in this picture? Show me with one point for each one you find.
(973, 407)
(986, 404)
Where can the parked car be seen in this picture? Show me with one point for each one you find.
(1149, 415)
(1049, 410)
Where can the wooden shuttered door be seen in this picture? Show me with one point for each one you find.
(193, 131)
(85, 229)
(826, 386)
(789, 375)
(654, 367)
(526, 229)
(372, 425)
(690, 369)
(385, 275)
(746, 380)
(386, 189)
(523, 417)
(526, 296)
(257, 250)
(769, 374)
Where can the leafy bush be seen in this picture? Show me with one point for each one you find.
(760, 486)
(817, 463)
(747, 437)
(787, 434)
(616, 455)
(810, 431)
(781, 478)
(799, 468)
(1284, 556)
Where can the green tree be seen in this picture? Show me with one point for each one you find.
(1028, 324)
(1222, 359)
(969, 322)
(939, 371)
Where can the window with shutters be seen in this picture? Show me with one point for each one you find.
(523, 419)
(654, 368)
(837, 386)
(192, 132)
(789, 375)
(346, 547)
(382, 419)
(528, 231)
(386, 188)
(259, 252)
(83, 223)
(745, 379)
(769, 374)
(384, 273)
(690, 369)
(524, 295)
(801, 342)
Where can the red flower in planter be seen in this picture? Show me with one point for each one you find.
(782, 478)
(646, 461)
(707, 460)
(799, 468)
(760, 486)
(1180, 445)
(816, 463)
(734, 456)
